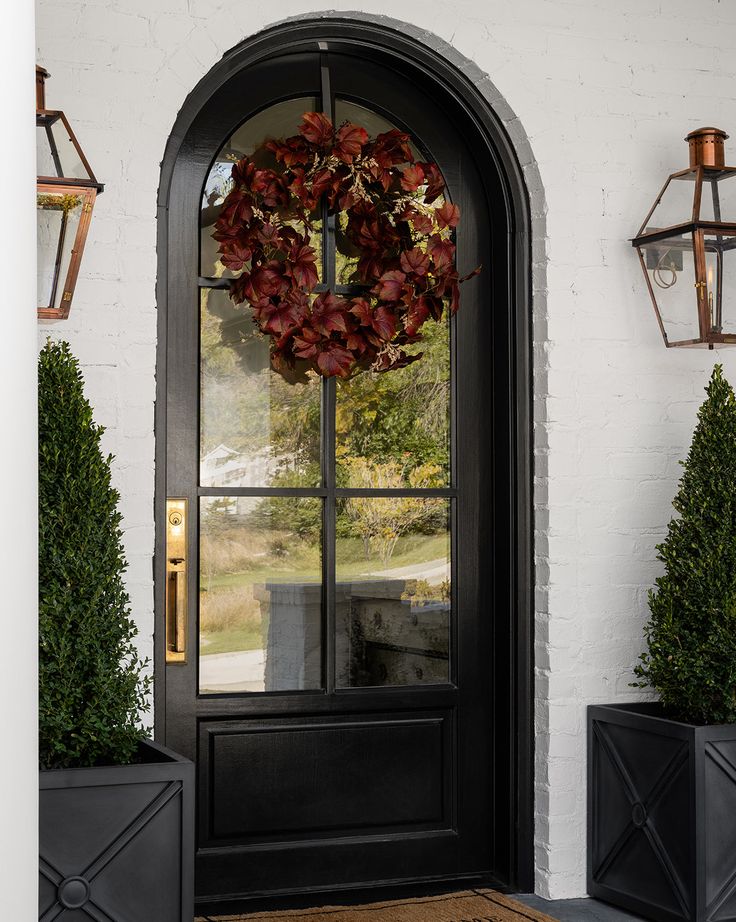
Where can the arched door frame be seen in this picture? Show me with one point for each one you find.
(513, 659)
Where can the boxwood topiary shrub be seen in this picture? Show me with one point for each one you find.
(691, 637)
(92, 685)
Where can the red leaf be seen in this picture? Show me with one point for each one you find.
(448, 215)
(412, 177)
(423, 224)
(305, 346)
(350, 141)
(419, 311)
(370, 267)
(236, 209)
(335, 360)
(237, 288)
(271, 187)
(268, 234)
(242, 172)
(455, 298)
(289, 152)
(435, 182)
(329, 313)
(347, 200)
(392, 147)
(300, 265)
(235, 255)
(299, 188)
(321, 182)
(384, 323)
(362, 310)
(370, 235)
(382, 320)
(281, 318)
(317, 129)
(356, 343)
(379, 173)
(470, 275)
(265, 282)
(442, 253)
(436, 306)
(390, 285)
(415, 261)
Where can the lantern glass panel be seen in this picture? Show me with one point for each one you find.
(670, 268)
(718, 202)
(720, 272)
(56, 151)
(675, 205)
(58, 216)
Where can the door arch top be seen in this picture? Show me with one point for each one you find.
(430, 51)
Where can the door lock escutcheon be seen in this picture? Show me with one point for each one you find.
(176, 580)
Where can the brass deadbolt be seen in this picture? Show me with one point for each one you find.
(175, 518)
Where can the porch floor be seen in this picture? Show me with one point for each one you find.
(584, 910)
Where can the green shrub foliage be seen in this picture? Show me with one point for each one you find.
(691, 637)
(92, 683)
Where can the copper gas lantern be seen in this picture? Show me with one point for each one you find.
(65, 196)
(684, 246)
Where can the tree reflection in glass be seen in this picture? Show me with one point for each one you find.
(402, 416)
(256, 429)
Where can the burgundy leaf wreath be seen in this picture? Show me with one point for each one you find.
(392, 221)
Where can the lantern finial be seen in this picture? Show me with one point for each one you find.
(707, 148)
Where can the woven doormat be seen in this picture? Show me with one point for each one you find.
(467, 906)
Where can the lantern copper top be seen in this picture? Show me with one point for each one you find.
(41, 75)
(707, 148)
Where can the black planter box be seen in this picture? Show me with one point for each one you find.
(117, 842)
(661, 814)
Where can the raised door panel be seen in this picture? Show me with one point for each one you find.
(351, 775)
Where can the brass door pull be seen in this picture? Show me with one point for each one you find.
(176, 581)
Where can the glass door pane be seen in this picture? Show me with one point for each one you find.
(393, 591)
(399, 418)
(278, 121)
(256, 429)
(260, 594)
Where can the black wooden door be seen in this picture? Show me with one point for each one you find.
(335, 682)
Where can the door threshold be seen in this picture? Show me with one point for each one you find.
(348, 895)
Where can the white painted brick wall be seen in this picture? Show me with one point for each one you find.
(604, 92)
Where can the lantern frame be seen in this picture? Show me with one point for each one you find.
(87, 196)
(85, 188)
(706, 166)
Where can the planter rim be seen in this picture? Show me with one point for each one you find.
(153, 754)
(653, 710)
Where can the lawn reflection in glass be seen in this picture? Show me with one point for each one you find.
(393, 591)
(260, 595)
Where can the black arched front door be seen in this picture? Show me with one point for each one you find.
(343, 666)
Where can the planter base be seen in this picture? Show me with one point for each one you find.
(116, 842)
(661, 814)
